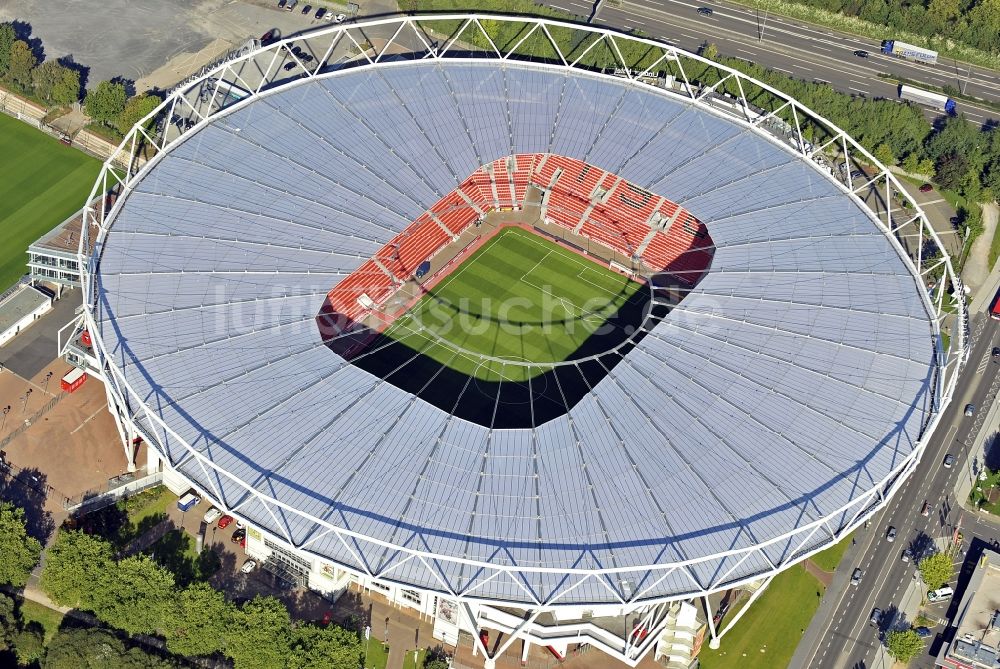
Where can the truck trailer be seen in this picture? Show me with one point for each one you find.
(892, 47)
(928, 99)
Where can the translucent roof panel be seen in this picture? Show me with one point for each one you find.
(788, 384)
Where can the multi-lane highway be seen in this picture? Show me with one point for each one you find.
(843, 637)
(807, 52)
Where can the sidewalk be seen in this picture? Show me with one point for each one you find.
(984, 288)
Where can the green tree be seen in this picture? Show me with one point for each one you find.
(76, 566)
(7, 39)
(198, 621)
(883, 154)
(936, 570)
(106, 102)
(8, 620)
(330, 647)
(261, 635)
(20, 552)
(55, 83)
(135, 109)
(951, 171)
(436, 658)
(134, 595)
(710, 51)
(22, 62)
(88, 648)
(903, 645)
(29, 644)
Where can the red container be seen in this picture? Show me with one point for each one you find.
(85, 338)
(73, 380)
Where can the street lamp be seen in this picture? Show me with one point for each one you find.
(48, 376)
(25, 397)
(6, 410)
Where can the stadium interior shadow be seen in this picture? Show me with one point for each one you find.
(508, 404)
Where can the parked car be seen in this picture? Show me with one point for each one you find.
(861, 53)
(926, 509)
(890, 534)
(307, 9)
(339, 18)
(212, 515)
(240, 537)
(282, 3)
(320, 13)
(949, 460)
(907, 555)
(248, 566)
(306, 58)
(996, 351)
(225, 522)
(922, 632)
(926, 188)
(291, 5)
(289, 66)
(876, 616)
(705, 11)
(858, 174)
(970, 409)
(296, 50)
(268, 37)
(856, 576)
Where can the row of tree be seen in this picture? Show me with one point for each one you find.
(22, 643)
(137, 595)
(58, 85)
(51, 82)
(972, 22)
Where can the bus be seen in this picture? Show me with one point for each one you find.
(995, 309)
(928, 99)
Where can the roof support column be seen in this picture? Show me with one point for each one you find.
(714, 643)
(753, 598)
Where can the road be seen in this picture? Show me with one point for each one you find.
(845, 638)
(789, 46)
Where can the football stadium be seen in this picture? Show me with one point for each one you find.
(564, 338)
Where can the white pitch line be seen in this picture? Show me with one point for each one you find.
(859, 90)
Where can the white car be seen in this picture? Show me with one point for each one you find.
(212, 515)
(339, 18)
(248, 566)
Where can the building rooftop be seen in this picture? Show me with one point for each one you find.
(65, 237)
(978, 618)
(748, 427)
(21, 303)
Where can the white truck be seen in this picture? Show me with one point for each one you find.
(928, 99)
(893, 47)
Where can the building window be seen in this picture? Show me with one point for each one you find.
(411, 596)
(380, 586)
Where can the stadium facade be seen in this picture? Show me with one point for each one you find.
(782, 397)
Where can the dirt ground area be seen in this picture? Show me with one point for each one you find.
(67, 441)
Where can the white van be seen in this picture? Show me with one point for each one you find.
(940, 594)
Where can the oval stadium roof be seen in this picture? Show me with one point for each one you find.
(748, 427)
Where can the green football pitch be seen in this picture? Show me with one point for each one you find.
(42, 183)
(515, 308)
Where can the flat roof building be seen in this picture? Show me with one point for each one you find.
(977, 623)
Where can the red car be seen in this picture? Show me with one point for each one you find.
(926, 188)
(225, 521)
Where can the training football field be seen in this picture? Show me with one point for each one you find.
(42, 183)
(518, 299)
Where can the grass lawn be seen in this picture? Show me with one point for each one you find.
(828, 559)
(49, 619)
(518, 298)
(377, 655)
(175, 551)
(148, 503)
(767, 635)
(994, 248)
(42, 183)
(408, 662)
